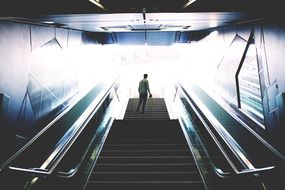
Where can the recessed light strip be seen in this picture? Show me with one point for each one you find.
(189, 3)
(96, 2)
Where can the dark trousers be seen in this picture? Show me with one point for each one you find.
(142, 101)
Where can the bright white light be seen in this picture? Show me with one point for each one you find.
(193, 63)
(156, 61)
(92, 62)
(188, 3)
(213, 24)
(199, 61)
(96, 2)
(48, 22)
(214, 33)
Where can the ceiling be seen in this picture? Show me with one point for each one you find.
(137, 15)
(123, 22)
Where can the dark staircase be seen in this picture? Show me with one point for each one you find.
(155, 108)
(145, 154)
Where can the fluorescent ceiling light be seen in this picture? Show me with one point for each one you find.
(116, 28)
(189, 3)
(48, 22)
(96, 2)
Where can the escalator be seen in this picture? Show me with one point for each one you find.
(141, 151)
(146, 153)
(42, 161)
(243, 136)
(250, 157)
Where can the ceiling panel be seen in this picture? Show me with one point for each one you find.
(137, 15)
(137, 21)
(26, 8)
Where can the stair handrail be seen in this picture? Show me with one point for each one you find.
(276, 152)
(71, 172)
(76, 100)
(230, 142)
(217, 170)
(64, 144)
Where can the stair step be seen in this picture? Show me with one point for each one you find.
(149, 185)
(145, 176)
(154, 109)
(162, 124)
(149, 140)
(146, 117)
(145, 159)
(135, 152)
(144, 146)
(147, 134)
(144, 135)
(161, 167)
(145, 154)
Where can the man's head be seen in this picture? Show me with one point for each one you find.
(145, 76)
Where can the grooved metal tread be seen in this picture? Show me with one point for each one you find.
(155, 108)
(145, 154)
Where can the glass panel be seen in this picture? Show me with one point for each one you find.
(249, 84)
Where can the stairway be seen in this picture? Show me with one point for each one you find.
(145, 154)
(155, 108)
(145, 151)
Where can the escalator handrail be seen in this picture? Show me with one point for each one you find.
(79, 126)
(37, 171)
(76, 100)
(220, 172)
(279, 155)
(217, 170)
(62, 147)
(71, 172)
(230, 142)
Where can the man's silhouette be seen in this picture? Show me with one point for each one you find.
(143, 91)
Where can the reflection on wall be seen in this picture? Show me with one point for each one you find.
(37, 75)
(225, 75)
(249, 84)
(42, 69)
(248, 91)
(52, 80)
(261, 79)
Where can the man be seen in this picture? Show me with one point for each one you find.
(143, 91)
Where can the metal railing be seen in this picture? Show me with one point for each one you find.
(68, 173)
(62, 146)
(233, 146)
